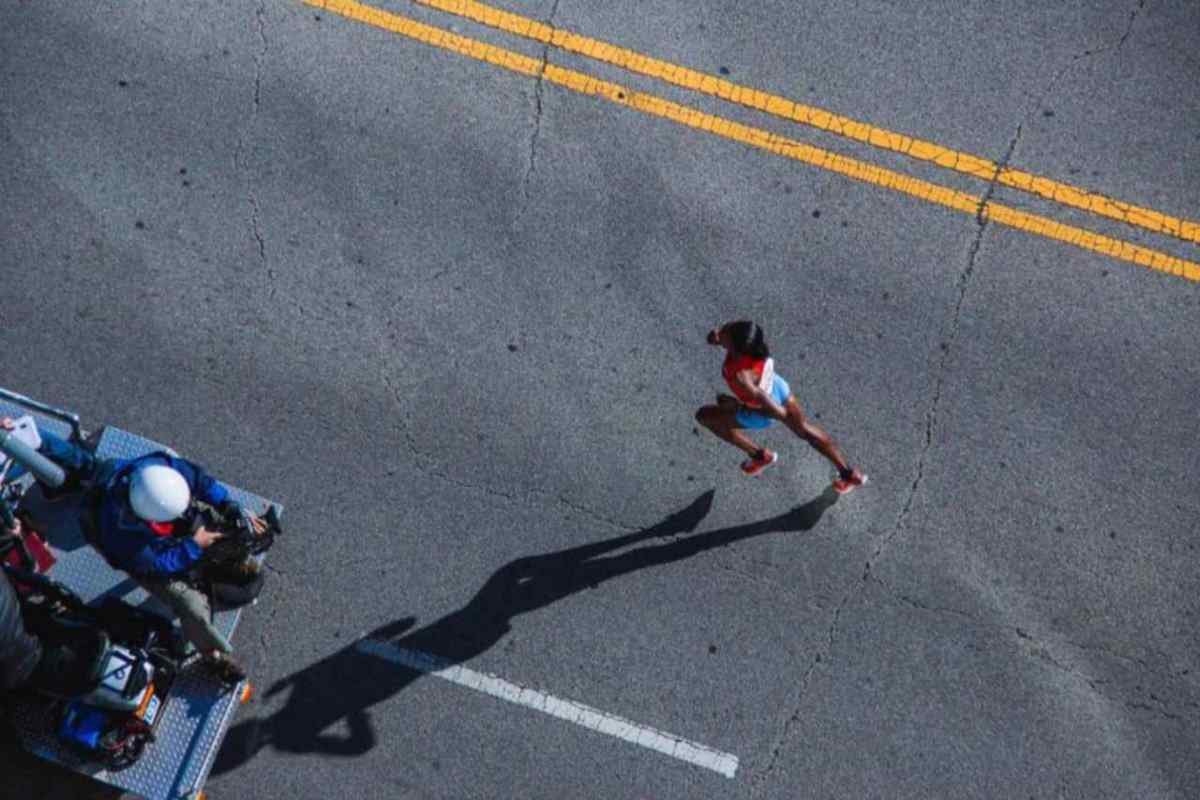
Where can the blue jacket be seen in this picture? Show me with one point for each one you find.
(123, 538)
(127, 541)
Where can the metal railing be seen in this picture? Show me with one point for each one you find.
(77, 432)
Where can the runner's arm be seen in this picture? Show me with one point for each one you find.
(769, 406)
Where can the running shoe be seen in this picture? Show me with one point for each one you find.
(846, 485)
(753, 466)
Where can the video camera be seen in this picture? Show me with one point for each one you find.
(225, 560)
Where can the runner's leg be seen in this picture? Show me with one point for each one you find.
(816, 437)
(722, 421)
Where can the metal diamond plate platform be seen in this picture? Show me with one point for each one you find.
(198, 711)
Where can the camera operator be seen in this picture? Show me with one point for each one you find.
(138, 514)
(19, 651)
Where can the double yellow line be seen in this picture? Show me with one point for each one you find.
(787, 109)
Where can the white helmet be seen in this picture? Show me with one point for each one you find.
(158, 493)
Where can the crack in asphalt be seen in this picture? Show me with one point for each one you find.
(1041, 651)
(256, 228)
(1147, 707)
(759, 778)
(1085, 54)
(1023, 633)
(537, 107)
(1133, 15)
(537, 123)
(260, 17)
(1040, 647)
(931, 417)
(947, 344)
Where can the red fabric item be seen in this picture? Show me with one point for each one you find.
(735, 363)
(162, 528)
(40, 551)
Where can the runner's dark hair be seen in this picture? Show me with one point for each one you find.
(748, 339)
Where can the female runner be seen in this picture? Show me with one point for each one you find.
(760, 397)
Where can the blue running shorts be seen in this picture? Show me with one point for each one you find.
(749, 418)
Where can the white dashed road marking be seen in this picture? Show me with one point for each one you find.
(585, 716)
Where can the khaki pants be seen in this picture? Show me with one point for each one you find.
(191, 607)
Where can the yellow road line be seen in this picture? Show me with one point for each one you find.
(824, 120)
(756, 137)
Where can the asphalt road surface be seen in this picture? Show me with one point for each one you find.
(446, 298)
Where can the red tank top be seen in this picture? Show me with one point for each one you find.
(764, 375)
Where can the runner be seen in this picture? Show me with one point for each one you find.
(760, 397)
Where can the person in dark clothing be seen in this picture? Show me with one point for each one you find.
(140, 527)
(19, 651)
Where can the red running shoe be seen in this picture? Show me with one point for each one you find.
(753, 466)
(846, 485)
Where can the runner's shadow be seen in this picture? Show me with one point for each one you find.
(339, 689)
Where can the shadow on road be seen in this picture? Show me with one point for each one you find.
(342, 687)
